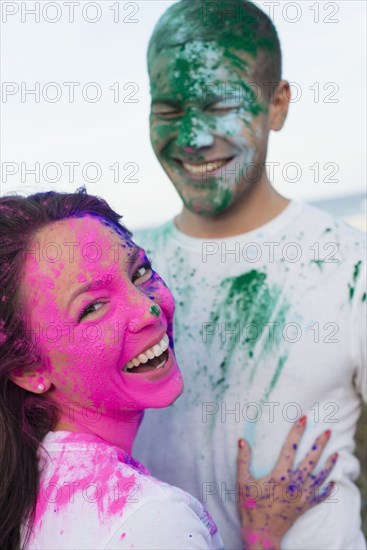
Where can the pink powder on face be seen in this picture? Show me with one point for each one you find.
(122, 536)
(86, 356)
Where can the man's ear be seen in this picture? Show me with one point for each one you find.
(33, 379)
(279, 106)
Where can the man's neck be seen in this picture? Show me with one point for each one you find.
(256, 208)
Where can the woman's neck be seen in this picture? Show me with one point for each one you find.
(119, 429)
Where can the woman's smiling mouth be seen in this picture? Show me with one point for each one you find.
(152, 358)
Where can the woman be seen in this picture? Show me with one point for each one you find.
(86, 345)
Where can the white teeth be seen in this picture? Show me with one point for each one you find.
(157, 350)
(204, 167)
(154, 351)
(163, 344)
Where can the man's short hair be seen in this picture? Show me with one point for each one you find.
(236, 25)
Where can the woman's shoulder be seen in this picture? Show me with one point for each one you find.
(93, 465)
(87, 482)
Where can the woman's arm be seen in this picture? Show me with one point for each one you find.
(169, 520)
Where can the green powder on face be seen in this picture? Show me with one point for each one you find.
(240, 27)
(155, 310)
(210, 93)
(198, 72)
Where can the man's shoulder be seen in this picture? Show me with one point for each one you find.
(317, 222)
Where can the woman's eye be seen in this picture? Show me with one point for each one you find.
(143, 274)
(92, 308)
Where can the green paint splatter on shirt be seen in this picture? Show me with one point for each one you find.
(276, 375)
(352, 286)
(242, 316)
(364, 297)
(319, 263)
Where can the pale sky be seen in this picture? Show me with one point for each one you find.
(323, 53)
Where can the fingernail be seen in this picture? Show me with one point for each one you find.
(334, 458)
(302, 421)
(327, 434)
(241, 443)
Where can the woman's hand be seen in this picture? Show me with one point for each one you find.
(270, 505)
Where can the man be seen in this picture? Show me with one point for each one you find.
(270, 293)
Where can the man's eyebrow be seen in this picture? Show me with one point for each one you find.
(213, 99)
(100, 283)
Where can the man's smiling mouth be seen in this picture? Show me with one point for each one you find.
(197, 169)
(152, 358)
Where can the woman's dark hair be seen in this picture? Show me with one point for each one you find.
(25, 417)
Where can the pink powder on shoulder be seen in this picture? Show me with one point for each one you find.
(94, 472)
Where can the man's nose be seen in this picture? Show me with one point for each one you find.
(193, 132)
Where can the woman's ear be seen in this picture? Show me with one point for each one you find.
(279, 106)
(32, 379)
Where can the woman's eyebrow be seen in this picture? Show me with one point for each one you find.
(101, 282)
(92, 285)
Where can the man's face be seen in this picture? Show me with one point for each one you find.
(209, 125)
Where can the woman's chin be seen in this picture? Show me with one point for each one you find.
(172, 392)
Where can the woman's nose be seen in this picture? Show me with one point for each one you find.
(144, 316)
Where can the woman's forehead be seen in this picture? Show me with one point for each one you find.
(68, 250)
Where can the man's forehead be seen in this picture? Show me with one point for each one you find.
(197, 60)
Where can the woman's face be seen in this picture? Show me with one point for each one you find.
(95, 308)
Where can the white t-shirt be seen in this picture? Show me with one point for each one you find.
(269, 325)
(95, 496)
